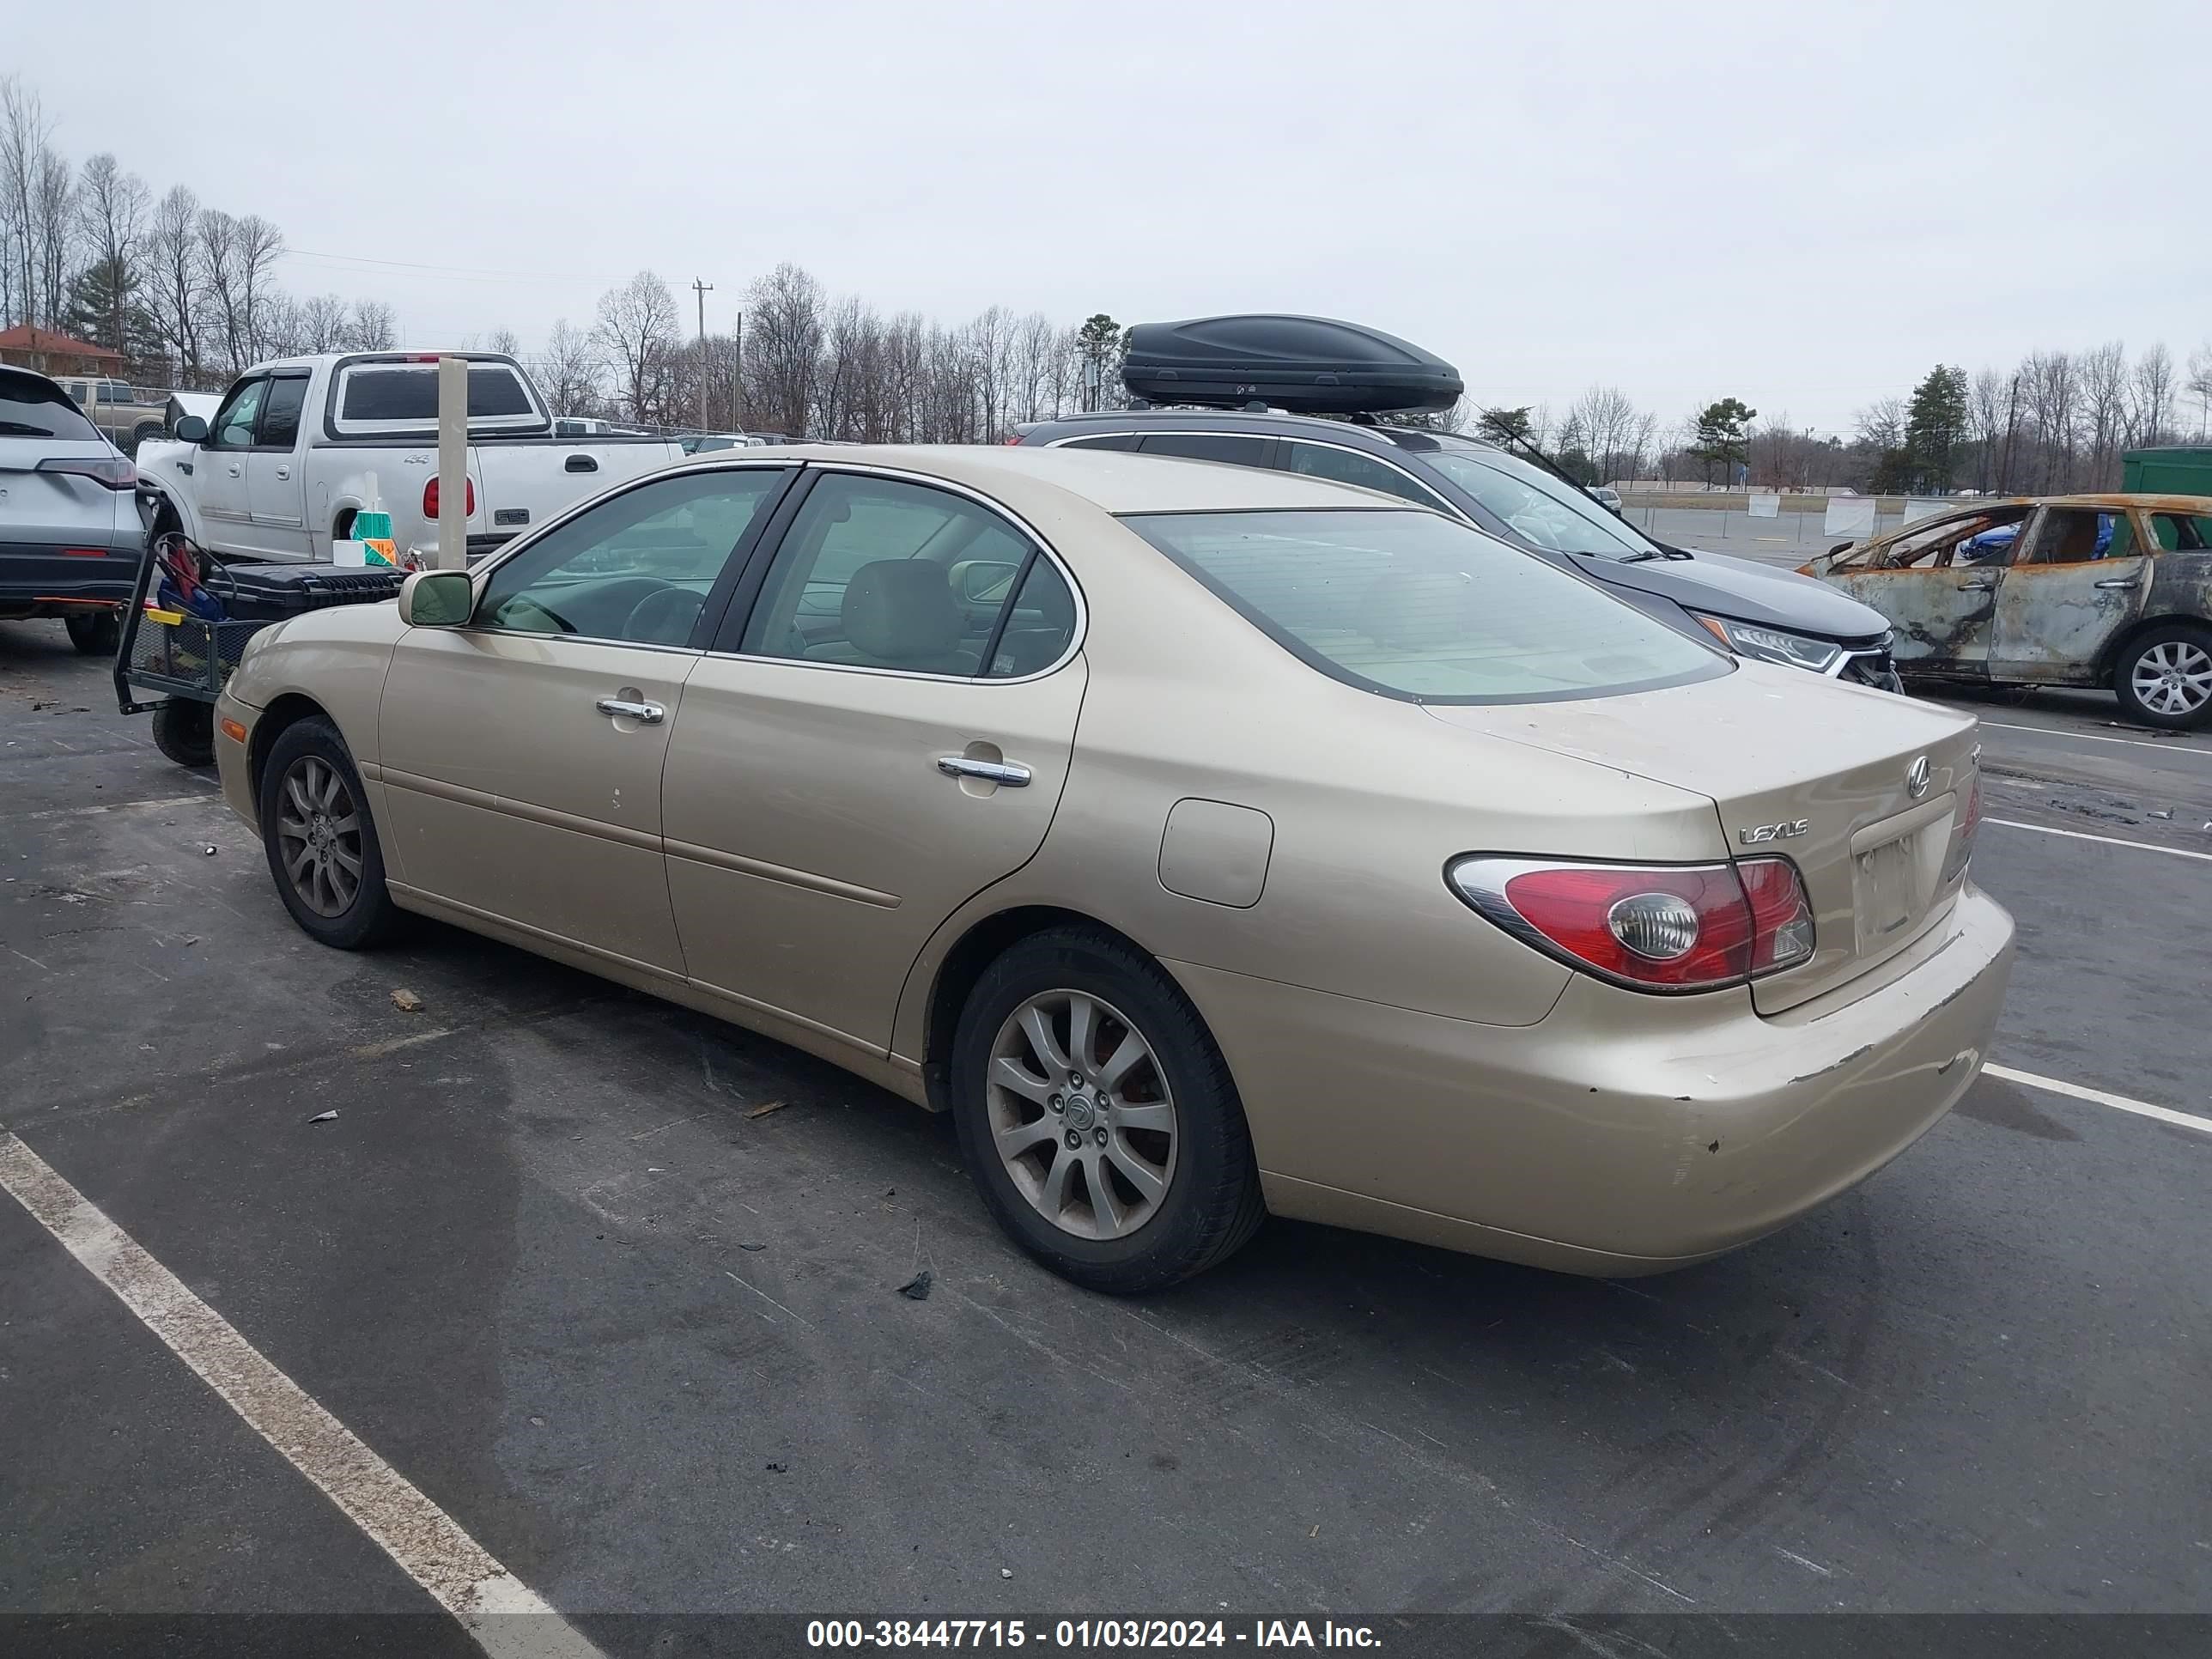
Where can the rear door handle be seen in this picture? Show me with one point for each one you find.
(581, 464)
(1975, 587)
(1007, 772)
(633, 709)
(2122, 581)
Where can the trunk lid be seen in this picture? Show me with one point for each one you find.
(1774, 749)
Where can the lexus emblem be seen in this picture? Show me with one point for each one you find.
(1915, 778)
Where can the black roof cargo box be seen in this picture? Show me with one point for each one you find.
(1304, 364)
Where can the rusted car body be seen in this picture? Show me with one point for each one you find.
(2066, 590)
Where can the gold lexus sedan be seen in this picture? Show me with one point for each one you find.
(1207, 842)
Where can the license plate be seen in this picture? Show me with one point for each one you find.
(1885, 882)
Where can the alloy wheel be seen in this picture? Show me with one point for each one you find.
(2174, 677)
(1081, 1114)
(318, 836)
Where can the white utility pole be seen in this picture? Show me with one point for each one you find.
(702, 289)
(452, 464)
(737, 374)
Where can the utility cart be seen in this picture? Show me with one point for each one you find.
(189, 615)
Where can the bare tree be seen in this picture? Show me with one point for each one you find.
(260, 243)
(505, 341)
(26, 145)
(2103, 376)
(374, 327)
(1986, 421)
(2051, 389)
(784, 328)
(2150, 397)
(567, 371)
(322, 324)
(217, 235)
(636, 335)
(54, 209)
(2199, 387)
(179, 280)
(112, 214)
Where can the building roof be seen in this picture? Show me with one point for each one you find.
(24, 337)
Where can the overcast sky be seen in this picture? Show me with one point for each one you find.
(1804, 205)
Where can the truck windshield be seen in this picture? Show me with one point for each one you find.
(1421, 607)
(1537, 506)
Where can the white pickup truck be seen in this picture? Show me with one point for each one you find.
(301, 444)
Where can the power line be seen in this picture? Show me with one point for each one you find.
(466, 272)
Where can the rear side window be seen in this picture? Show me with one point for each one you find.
(1422, 607)
(2177, 534)
(32, 407)
(1103, 440)
(1232, 448)
(280, 411)
(378, 397)
(1349, 466)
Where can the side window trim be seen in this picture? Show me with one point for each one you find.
(746, 595)
(718, 595)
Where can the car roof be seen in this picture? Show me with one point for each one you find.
(1114, 480)
(2104, 501)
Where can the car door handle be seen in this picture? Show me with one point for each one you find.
(234, 469)
(1975, 587)
(1012, 775)
(283, 471)
(581, 464)
(2122, 581)
(631, 708)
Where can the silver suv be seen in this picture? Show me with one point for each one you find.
(71, 529)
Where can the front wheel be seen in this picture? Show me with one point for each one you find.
(1097, 1118)
(2165, 678)
(321, 843)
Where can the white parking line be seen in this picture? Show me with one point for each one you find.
(2170, 748)
(2098, 1096)
(508, 1619)
(2110, 841)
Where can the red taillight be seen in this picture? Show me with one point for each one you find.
(1665, 928)
(430, 500)
(84, 552)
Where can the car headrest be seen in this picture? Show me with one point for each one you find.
(901, 610)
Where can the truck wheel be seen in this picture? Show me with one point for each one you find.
(185, 731)
(2165, 678)
(321, 842)
(1098, 1118)
(92, 633)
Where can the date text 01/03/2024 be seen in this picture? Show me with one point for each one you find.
(1081, 1635)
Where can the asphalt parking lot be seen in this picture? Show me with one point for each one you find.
(616, 1288)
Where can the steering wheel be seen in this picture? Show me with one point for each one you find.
(664, 617)
(523, 612)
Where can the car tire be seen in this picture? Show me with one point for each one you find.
(94, 633)
(321, 841)
(1160, 1122)
(185, 731)
(2164, 677)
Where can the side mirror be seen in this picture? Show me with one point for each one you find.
(982, 581)
(436, 599)
(192, 430)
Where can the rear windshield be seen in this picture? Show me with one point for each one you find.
(407, 394)
(32, 407)
(1419, 606)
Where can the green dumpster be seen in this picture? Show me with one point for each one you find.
(2171, 470)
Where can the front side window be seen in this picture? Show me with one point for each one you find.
(1422, 607)
(1349, 466)
(877, 573)
(636, 568)
(1542, 510)
(236, 421)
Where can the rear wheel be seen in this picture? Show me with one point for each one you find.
(94, 633)
(185, 731)
(2165, 678)
(321, 843)
(1098, 1119)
